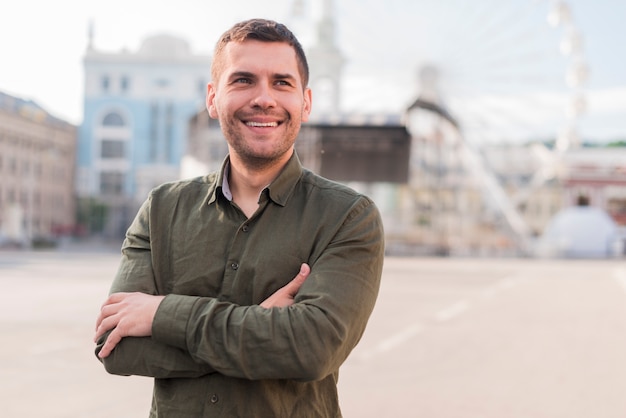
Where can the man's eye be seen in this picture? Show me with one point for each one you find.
(283, 83)
(242, 80)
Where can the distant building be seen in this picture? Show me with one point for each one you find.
(137, 106)
(206, 147)
(503, 199)
(600, 175)
(466, 200)
(37, 153)
(326, 63)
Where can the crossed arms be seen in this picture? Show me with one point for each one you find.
(303, 331)
(131, 314)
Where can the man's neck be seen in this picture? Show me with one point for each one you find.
(246, 183)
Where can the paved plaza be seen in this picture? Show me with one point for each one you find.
(449, 338)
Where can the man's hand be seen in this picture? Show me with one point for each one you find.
(284, 296)
(128, 315)
(132, 314)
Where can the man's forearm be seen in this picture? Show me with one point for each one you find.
(142, 356)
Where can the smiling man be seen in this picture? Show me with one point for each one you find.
(242, 292)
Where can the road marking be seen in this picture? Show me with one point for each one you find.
(452, 311)
(489, 292)
(619, 274)
(443, 315)
(392, 342)
(503, 284)
(508, 282)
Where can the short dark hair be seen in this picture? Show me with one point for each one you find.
(260, 30)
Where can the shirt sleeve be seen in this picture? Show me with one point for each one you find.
(144, 356)
(306, 341)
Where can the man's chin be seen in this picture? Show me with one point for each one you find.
(261, 160)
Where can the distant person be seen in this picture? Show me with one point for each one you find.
(242, 292)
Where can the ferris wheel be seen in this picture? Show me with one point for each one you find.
(507, 71)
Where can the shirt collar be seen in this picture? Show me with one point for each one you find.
(278, 191)
(282, 187)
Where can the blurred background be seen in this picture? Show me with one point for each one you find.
(490, 133)
(482, 128)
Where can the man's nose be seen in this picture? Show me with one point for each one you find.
(264, 97)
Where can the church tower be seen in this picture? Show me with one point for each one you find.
(326, 63)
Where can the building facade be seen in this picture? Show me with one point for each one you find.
(599, 174)
(136, 111)
(37, 153)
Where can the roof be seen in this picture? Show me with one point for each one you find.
(356, 119)
(29, 109)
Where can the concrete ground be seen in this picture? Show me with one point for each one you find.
(449, 338)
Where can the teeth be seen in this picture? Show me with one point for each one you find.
(264, 125)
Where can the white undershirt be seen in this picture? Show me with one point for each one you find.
(225, 187)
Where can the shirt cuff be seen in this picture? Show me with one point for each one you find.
(171, 318)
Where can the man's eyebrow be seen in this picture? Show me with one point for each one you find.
(284, 76)
(245, 74)
(251, 75)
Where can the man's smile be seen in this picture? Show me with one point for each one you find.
(262, 124)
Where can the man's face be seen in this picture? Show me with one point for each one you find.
(259, 101)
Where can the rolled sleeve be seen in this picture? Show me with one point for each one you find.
(172, 319)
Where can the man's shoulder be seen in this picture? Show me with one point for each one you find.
(330, 190)
(191, 185)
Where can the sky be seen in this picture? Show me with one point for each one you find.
(500, 65)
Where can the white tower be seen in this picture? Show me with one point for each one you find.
(326, 63)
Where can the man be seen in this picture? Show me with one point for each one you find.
(242, 292)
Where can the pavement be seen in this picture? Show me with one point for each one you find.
(449, 338)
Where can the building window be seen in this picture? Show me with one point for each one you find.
(169, 129)
(113, 119)
(105, 83)
(112, 148)
(202, 87)
(111, 183)
(12, 166)
(154, 131)
(124, 84)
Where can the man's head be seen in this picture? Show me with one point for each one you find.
(258, 92)
(260, 30)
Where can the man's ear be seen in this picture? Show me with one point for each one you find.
(210, 100)
(308, 102)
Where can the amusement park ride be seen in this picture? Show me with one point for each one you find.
(498, 99)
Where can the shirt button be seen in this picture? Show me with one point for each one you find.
(245, 228)
(234, 266)
(214, 398)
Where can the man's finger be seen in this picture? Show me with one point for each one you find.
(104, 326)
(112, 340)
(115, 298)
(105, 312)
(285, 295)
(108, 307)
(294, 285)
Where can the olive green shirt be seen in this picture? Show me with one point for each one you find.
(214, 352)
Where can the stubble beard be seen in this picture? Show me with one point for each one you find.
(251, 158)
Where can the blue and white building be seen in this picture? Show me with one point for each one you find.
(137, 107)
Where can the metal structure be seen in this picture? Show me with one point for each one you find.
(470, 128)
